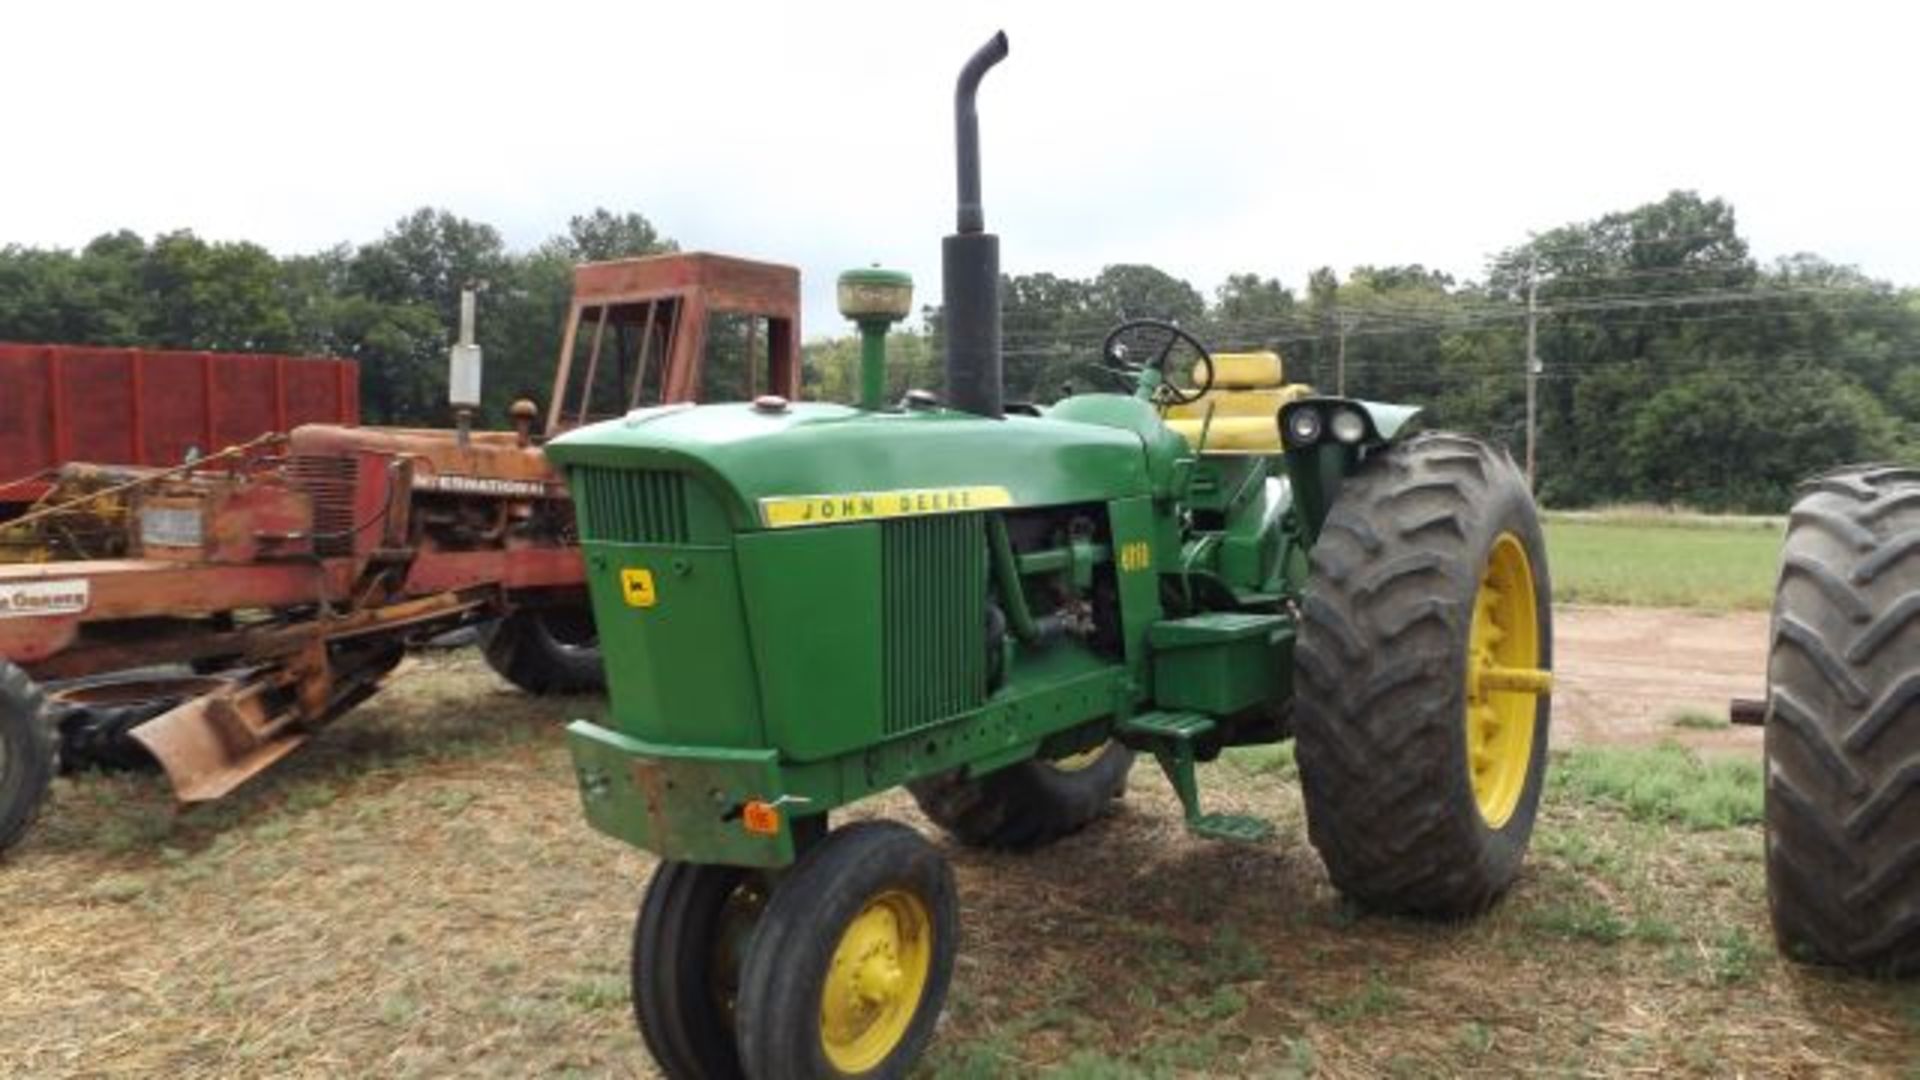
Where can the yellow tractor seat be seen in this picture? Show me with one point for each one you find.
(1248, 390)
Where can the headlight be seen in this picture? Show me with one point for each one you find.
(1303, 427)
(1349, 426)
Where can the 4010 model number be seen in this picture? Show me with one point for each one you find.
(1136, 555)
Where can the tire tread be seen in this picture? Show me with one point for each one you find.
(1381, 633)
(1843, 725)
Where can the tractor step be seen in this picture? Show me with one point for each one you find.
(1154, 726)
(1170, 737)
(1237, 828)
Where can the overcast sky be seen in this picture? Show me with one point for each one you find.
(1202, 138)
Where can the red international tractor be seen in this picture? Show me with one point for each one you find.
(212, 614)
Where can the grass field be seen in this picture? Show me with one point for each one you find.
(1653, 558)
(416, 895)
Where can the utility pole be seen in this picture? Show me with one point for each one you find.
(1533, 358)
(1340, 358)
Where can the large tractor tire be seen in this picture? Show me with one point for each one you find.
(27, 753)
(1422, 713)
(1029, 805)
(1843, 725)
(547, 651)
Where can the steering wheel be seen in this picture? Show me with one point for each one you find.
(1114, 350)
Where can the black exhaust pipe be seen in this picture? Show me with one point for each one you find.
(970, 260)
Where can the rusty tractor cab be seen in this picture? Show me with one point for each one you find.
(693, 327)
(275, 582)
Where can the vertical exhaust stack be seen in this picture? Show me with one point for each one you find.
(463, 370)
(970, 260)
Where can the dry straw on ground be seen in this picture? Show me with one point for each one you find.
(416, 894)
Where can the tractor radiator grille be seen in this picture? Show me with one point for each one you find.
(934, 594)
(630, 506)
(330, 482)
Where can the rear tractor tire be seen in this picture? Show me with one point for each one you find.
(547, 651)
(1843, 726)
(1028, 805)
(27, 753)
(1424, 648)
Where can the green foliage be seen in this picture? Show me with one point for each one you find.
(1666, 783)
(1135, 291)
(391, 304)
(1580, 919)
(830, 369)
(1903, 394)
(1245, 299)
(604, 235)
(1377, 998)
(1676, 369)
(1732, 957)
(1731, 437)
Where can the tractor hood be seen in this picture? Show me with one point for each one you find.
(805, 464)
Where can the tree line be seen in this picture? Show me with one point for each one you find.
(392, 304)
(1674, 367)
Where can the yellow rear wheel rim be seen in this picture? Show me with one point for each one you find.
(1504, 681)
(876, 981)
(1082, 760)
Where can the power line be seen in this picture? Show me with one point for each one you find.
(1449, 309)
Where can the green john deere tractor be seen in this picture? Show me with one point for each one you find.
(805, 604)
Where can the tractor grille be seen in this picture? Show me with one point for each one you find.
(630, 506)
(934, 595)
(330, 482)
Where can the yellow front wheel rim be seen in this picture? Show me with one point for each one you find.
(1504, 681)
(876, 981)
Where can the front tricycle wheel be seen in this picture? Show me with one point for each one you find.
(687, 946)
(849, 965)
(1424, 656)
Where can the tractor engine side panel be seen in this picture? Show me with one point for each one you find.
(668, 605)
(679, 670)
(867, 632)
(225, 521)
(815, 620)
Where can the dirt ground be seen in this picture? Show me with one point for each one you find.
(1623, 675)
(415, 894)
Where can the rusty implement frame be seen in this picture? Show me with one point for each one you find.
(213, 743)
